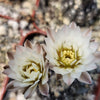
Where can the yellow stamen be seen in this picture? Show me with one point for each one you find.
(35, 70)
(68, 56)
(31, 68)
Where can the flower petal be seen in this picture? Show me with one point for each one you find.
(94, 46)
(97, 57)
(91, 66)
(10, 55)
(38, 47)
(88, 34)
(75, 74)
(44, 89)
(21, 84)
(50, 33)
(19, 49)
(68, 79)
(61, 71)
(10, 85)
(85, 78)
(15, 89)
(72, 25)
(28, 93)
(14, 76)
(45, 76)
(7, 71)
(28, 44)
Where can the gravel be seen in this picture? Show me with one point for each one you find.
(49, 14)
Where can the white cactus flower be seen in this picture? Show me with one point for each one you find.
(71, 53)
(28, 69)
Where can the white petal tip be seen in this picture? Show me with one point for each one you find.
(85, 78)
(72, 25)
(10, 55)
(28, 44)
(68, 79)
(44, 89)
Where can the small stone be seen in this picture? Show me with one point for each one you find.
(31, 26)
(3, 11)
(13, 24)
(23, 24)
(57, 94)
(98, 3)
(25, 32)
(47, 17)
(15, 15)
(61, 88)
(58, 5)
(10, 31)
(12, 96)
(20, 96)
(17, 7)
(17, 35)
(90, 97)
(2, 30)
(3, 48)
(66, 20)
(27, 5)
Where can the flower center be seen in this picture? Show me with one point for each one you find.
(68, 58)
(31, 67)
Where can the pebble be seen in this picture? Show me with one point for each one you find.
(25, 32)
(17, 7)
(15, 15)
(66, 21)
(12, 96)
(13, 24)
(20, 96)
(10, 32)
(31, 27)
(2, 30)
(98, 3)
(27, 7)
(23, 24)
(90, 97)
(56, 94)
